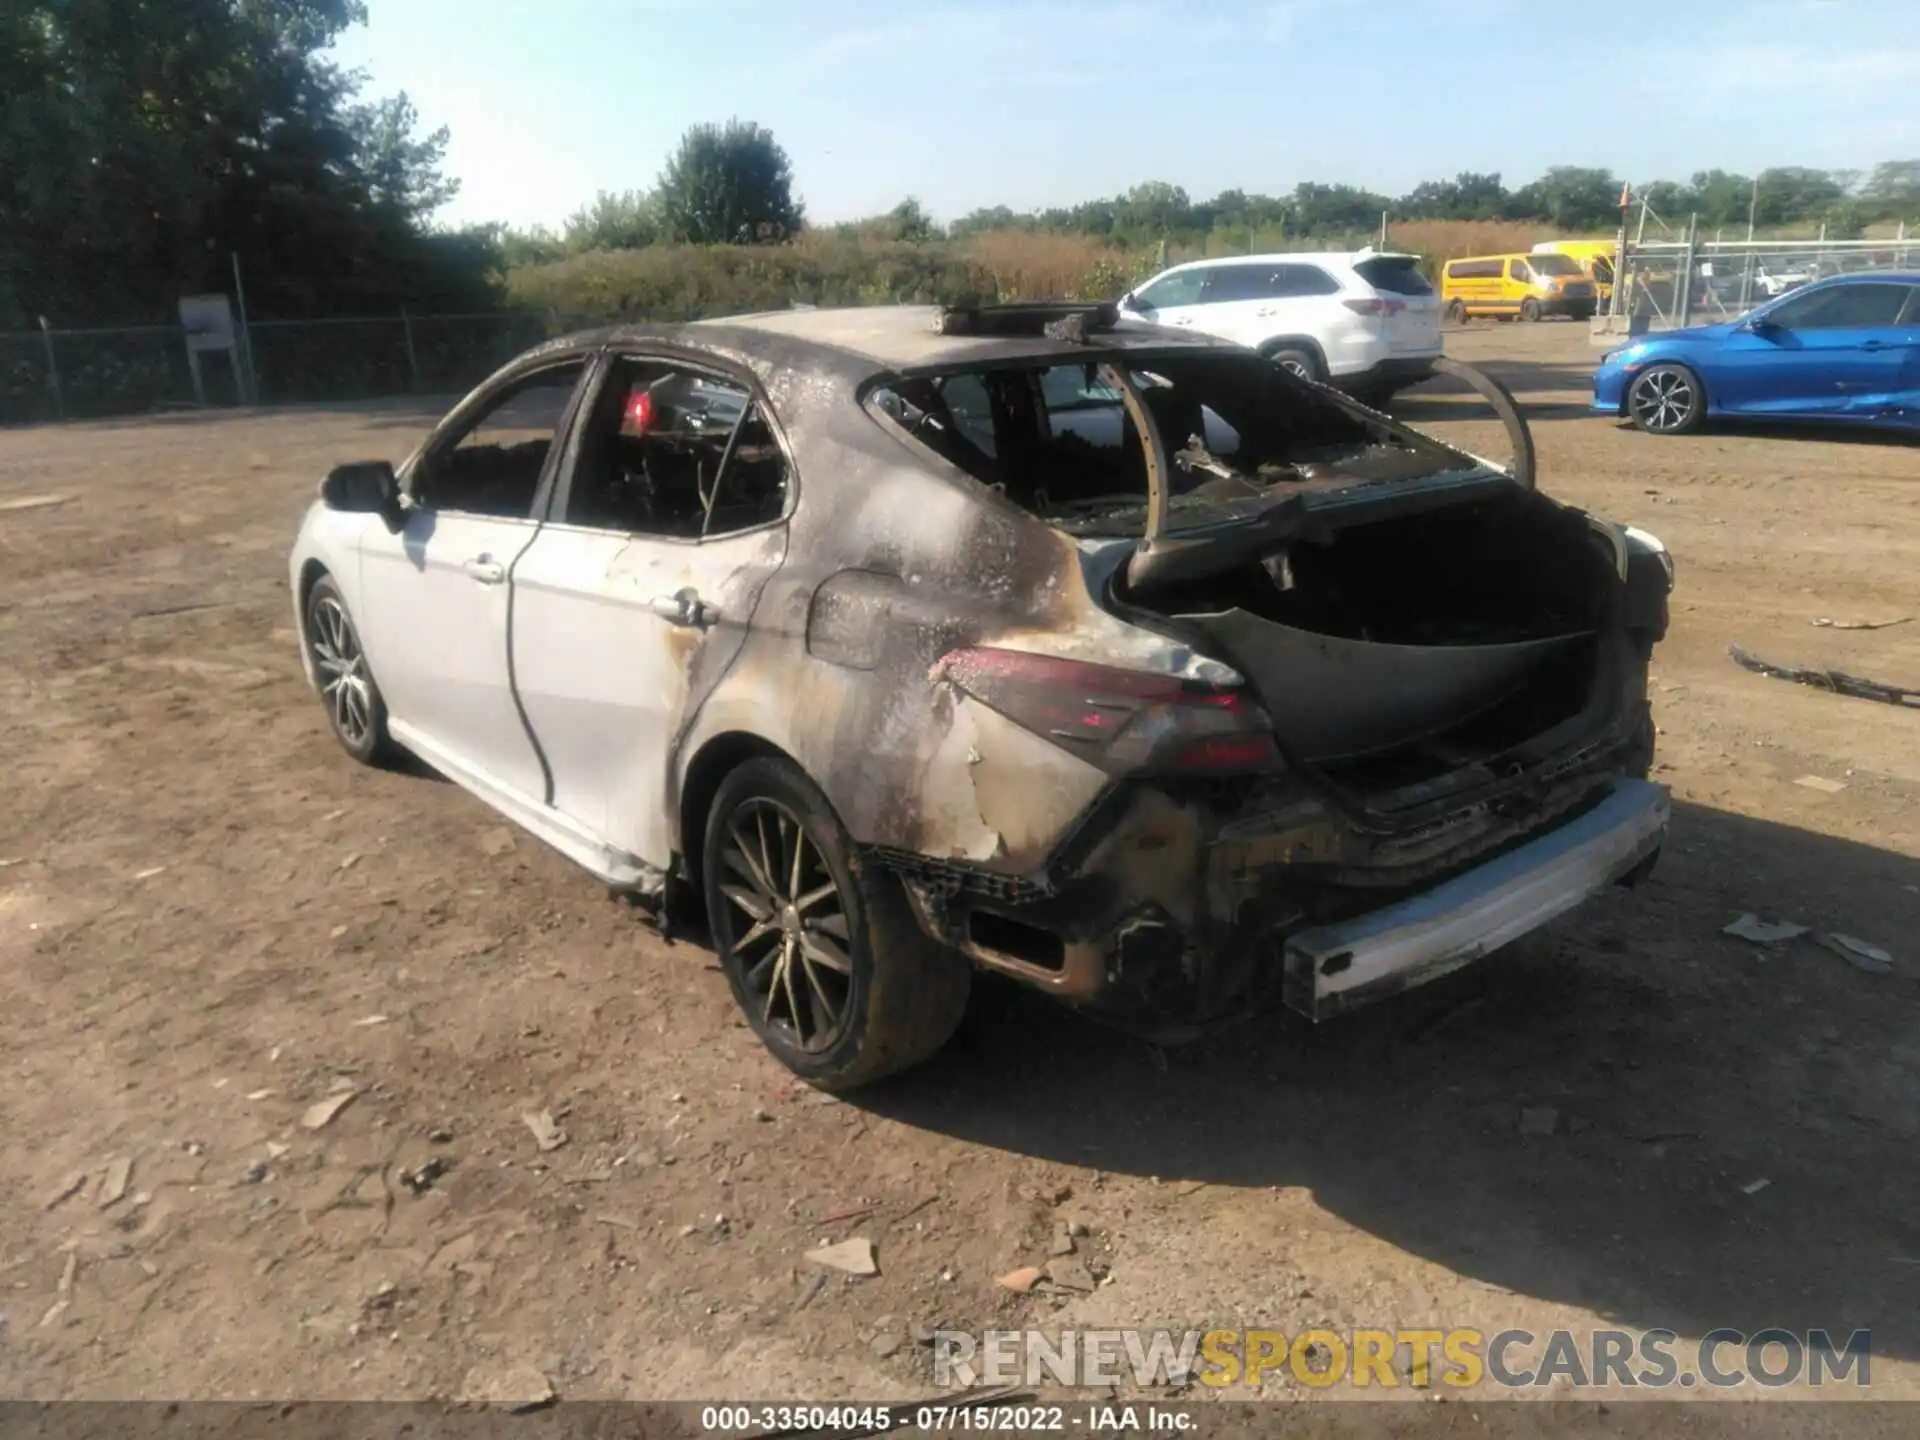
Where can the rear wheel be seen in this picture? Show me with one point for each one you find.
(822, 954)
(1666, 400)
(1303, 363)
(356, 713)
(1529, 309)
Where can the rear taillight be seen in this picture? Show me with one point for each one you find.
(1375, 306)
(1122, 720)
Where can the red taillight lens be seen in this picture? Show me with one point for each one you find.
(639, 417)
(1120, 719)
(1375, 307)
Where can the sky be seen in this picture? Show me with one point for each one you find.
(1031, 103)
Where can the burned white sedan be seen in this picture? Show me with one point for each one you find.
(904, 641)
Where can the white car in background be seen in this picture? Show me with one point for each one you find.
(1365, 321)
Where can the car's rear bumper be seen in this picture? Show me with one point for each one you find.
(1395, 372)
(1335, 967)
(1169, 920)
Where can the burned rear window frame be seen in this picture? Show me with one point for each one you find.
(1132, 360)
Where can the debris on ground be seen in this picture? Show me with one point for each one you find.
(1764, 932)
(1071, 1274)
(149, 872)
(1754, 1187)
(321, 1113)
(546, 1134)
(1020, 1281)
(1824, 623)
(370, 1020)
(32, 502)
(1539, 1120)
(113, 1183)
(1857, 953)
(885, 1346)
(351, 861)
(1822, 784)
(66, 1189)
(518, 1388)
(257, 1172)
(420, 1179)
(815, 1284)
(275, 1150)
(858, 1212)
(1837, 681)
(68, 1271)
(849, 1257)
(1062, 1242)
(497, 841)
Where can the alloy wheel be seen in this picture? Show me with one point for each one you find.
(1665, 400)
(343, 671)
(784, 925)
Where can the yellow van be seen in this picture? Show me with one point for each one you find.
(1529, 286)
(1593, 256)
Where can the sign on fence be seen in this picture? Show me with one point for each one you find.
(208, 322)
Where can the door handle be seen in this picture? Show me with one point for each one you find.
(684, 607)
(1874, 345)
(485, 569)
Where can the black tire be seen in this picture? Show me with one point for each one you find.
(356, 711)
(1530, 310)
(1667, 400)
(1456, 312)
(1303, 363)
(878, 996)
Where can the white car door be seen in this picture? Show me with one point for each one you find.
(433, 603)
(633, 601)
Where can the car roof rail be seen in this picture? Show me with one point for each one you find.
(1054, 320)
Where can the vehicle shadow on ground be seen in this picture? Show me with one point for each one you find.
(1681, 1069)
(1445, 398)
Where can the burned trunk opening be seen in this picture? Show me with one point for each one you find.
(1402, 646)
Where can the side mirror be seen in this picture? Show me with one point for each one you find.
(1130, 301)
(365, 487)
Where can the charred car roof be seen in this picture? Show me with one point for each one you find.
(864, 341)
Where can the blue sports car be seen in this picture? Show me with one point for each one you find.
(1844, 349)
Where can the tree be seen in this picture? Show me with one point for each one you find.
(728, 184)
(1893, 189)
(1468, 196)
(145, 141)
(614, 220)
(1572, 197)
(400, 171)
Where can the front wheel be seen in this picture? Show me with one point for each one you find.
(1456, 312)
(1529, 310)
(822, 953)
(356, 712)
(1666, 400)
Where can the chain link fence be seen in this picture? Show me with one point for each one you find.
(1674, 283)
(65, 374)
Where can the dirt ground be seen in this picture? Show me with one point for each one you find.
(210, 919)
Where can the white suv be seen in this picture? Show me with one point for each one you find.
(1365, 321)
